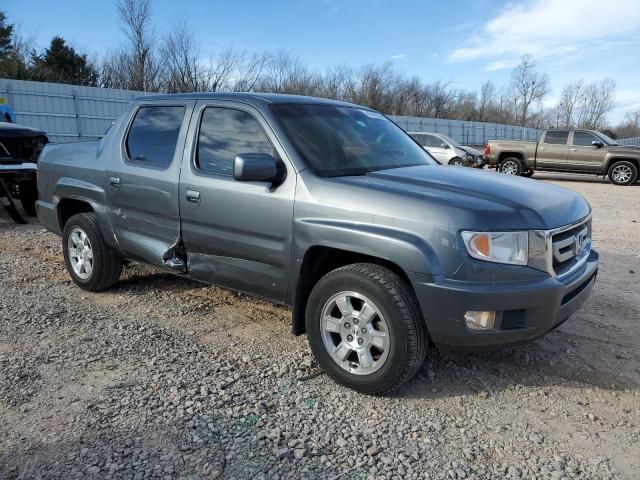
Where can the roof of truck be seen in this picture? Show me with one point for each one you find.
(251, 97)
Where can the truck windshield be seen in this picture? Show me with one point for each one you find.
(337, 141)
(607, 140)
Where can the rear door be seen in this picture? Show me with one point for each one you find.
(142, 189)
(236, 234)
(553, 150)
(583, 155)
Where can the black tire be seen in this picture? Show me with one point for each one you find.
(511, 166)
(395, 300)
(28, 197)
(620, 166)
(106, 265)
(456, 162)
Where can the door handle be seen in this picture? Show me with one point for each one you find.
(543, 148)
(193, 196)
(114, 182)
(574, 149)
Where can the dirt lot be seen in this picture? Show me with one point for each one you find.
(164, 378)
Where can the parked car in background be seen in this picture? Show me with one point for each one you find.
(447, 151)
(20, 147)
(331, 209)
(574, 150)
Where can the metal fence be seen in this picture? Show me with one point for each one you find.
(67, 113)
(70, 113)
(467, 133)
(629, 141)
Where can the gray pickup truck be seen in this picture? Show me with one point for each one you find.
(575, 151)
(331, 209)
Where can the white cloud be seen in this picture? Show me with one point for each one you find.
(551, 29)
(397, 56)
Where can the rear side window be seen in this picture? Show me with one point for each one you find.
(225, 133)
(154, 134)
(583, 139)
(556, 138)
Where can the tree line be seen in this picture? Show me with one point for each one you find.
(173, 62)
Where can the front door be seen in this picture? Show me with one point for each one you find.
(236, 234)
(142, 181)
(438, 148)
(583, 155)
(553, 150)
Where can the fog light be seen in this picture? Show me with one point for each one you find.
(480, 320)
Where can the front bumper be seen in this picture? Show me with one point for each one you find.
(525, 310)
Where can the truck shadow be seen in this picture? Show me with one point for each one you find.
(597, 347)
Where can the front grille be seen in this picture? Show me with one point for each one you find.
(570, 247)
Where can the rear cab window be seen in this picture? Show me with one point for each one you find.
(153, 135)
(556, 137)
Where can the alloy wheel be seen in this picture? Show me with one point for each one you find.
(80, 253)
(355, 333)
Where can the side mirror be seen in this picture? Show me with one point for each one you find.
(444, 145)
(597, 144)
(257, 167)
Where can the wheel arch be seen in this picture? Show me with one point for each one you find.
(511, 154)
(319, 260)
(617, 158)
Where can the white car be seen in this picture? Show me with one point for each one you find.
(448, 151)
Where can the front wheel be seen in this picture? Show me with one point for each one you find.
(511, 166)
(623, 173)
(365, 328)
(456, 162)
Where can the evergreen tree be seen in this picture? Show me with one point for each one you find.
(61, 63)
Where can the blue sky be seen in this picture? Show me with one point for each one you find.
(464, 42)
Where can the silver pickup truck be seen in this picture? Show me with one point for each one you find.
(575, 151)
(331, 209)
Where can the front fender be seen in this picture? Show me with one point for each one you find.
(410, 252)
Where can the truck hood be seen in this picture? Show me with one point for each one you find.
(628, 149)
(501, 201)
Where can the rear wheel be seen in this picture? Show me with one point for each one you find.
(511, 166)
(365, 329)
(91, 263)
(623, 172)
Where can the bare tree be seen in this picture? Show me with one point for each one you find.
(630, 126)
(486, 101)
(528, 87)
(596, 102)
(180, 54)
(139, 53)
(568, 107)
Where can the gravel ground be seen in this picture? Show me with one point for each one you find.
(166, 378)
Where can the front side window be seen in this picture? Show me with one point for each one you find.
(584, 139)
(336, 140)
(433, 141)
(556, 137)
(418, 137)
(154, 134)
(226, 133)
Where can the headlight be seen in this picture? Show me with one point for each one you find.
(498, 247)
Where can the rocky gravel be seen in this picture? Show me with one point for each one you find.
(165, 378)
